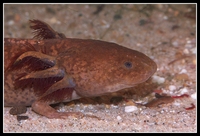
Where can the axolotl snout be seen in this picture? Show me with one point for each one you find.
(58, 69)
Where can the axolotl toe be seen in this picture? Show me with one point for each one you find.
(53, 69)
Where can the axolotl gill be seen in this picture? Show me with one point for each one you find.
(51, 68)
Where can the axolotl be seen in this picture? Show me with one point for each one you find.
(51, 68)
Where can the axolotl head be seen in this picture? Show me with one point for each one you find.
(100, 67)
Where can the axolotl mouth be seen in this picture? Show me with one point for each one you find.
(123, 85)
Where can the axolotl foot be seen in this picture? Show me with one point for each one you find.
(44, 109)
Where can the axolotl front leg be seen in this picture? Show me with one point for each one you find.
(51, 83)
(58, 92)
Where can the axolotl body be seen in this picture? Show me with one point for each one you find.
(52, 68)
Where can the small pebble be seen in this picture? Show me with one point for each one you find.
(184, 90)
(175, 43)
(189, 41)
(157, 79)
(11, 22)
(194, 61)
(194, 50)
(119, 118)
(165, 17)
(194, 95)
(53, 20)
(186, 51)
(177, 104)
(183, 71)
(130, 108)
(172, 87)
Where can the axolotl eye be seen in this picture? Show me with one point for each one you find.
(128, 64)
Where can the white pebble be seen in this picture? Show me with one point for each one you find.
(119, 118)
(183, 71)
(194, 50)
(172, 87)
(157, 79)
(175, 43)
(130, 108)
(194, 95)
(176, 103)
(186, 51)
(11, 22)
(165, 17)
(189, 41)
(184, 90)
